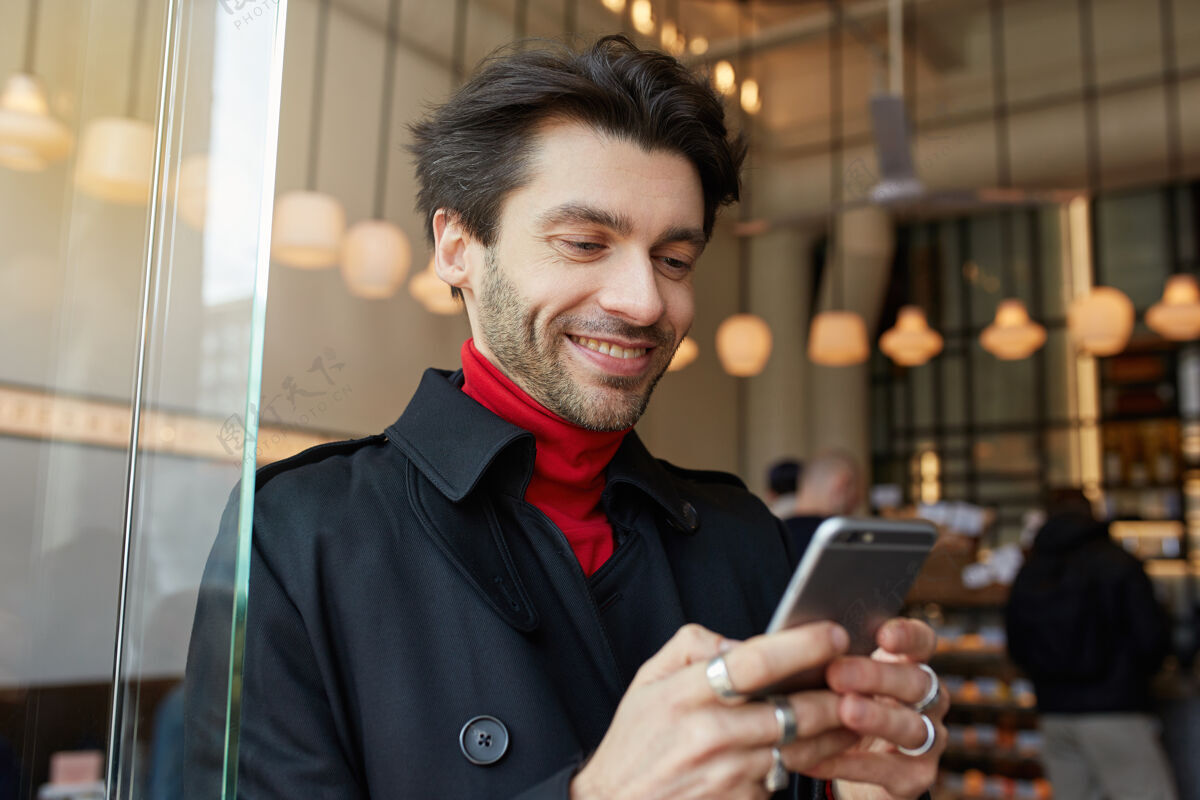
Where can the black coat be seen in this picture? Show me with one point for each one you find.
(1083, 621)
(400, 587)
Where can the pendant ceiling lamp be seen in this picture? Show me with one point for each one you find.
(685, 354)
(376, 254)
(911, 342)
(743, 340)
(641, 14)
(1012, 334)
(750, 98)
(1101, 321)
(116, 154)
(1177, 315)
(309, 225)
(30, 138)
(432, 292)
(837, 337)
(724, 78)
(743, 344)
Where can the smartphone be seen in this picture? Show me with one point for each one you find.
(856, 572)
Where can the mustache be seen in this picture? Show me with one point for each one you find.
(606, 327)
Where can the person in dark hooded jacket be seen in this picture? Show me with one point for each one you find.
(1085, 626)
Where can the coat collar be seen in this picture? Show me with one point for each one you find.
(454, 442)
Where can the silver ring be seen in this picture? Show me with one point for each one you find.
(717, 673)
(785, 715)
(930, 735)
(935, 687)
(777, 776)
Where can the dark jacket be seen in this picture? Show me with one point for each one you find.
(400, 587)
(1083, 621)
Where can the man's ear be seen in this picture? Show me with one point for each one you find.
(450, 249)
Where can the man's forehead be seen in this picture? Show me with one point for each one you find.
(576, 173)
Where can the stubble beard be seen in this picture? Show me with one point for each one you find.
(539, 366)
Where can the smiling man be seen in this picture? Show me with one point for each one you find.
(504, 594)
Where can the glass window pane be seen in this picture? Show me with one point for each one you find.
(1060, 359)
(1006, 452)
(1184, 214)
(183, 233)
(983, 268)
(1133, 254)
(1062, 467)
(899, 397)
(923, 391)
(1022, 493)
(1042, 49)
(950, 277)
(1054, 286)
(954, 391)
(1003, 390)
(879, 420)
(1130, 37)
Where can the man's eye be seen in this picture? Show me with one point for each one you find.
(584, 247)
(676, 264)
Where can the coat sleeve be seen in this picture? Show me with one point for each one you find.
(289, 744)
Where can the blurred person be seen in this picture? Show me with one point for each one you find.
(782, 479)
(1083, 623)
(830, 486)
(504, 594)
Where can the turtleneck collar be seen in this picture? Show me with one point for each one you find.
(570, 464)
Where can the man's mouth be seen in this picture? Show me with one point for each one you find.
(608, 348)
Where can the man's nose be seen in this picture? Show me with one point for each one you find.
(631, 290)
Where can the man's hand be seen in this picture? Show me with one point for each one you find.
(671, 737)
(877, 699)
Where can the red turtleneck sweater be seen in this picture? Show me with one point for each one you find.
(568, 471)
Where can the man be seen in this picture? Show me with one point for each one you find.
(831, 485)
(1084, 624)
(782, 479)
(493, 598)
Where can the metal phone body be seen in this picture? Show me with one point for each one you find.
(856, 572)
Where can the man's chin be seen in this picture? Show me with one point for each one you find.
(607, 409)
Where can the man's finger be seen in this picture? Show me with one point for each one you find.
(901, 726)
(802, 754)
(907, 637)
(691, 644)
(763, 661)
(902, 776)
(754, 724)
(903, 681)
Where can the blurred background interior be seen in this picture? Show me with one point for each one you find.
(966, 255)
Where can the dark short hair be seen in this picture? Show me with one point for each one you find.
(473, 150)
(1067, 500)
(783, 477)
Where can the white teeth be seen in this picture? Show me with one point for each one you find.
(609, 349)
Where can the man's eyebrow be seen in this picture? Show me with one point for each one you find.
(684, 235)
(577, 212)
(620, 223)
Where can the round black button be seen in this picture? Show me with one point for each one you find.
(484, 740)
(690, 518)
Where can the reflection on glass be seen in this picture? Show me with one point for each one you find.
(129, 278)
